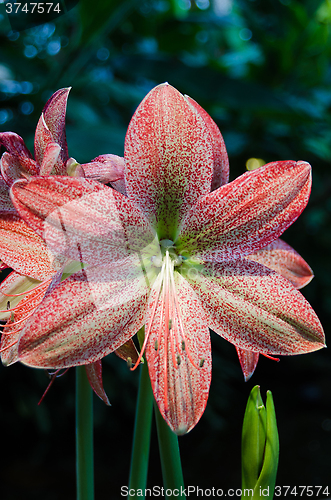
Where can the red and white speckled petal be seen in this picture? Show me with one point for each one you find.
(247, 214)
(221, 160)
(248, 362)
(23, 250)
(96, 228)
(80, 322)
(20, 310)
(14, 144)
(37, 199)
(94, 375)
(51, 128)
(6, 205)
(107, 169)
(178, 353)
(50, 157)
(256, 309)
(283, 259)
(169, 158)
(16, 167)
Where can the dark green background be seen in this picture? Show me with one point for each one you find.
(262, 69)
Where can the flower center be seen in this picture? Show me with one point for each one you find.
(167, 246)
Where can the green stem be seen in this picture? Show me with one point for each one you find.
(84, 436)
(173, 480)
(142, 435)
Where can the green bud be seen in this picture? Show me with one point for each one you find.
(260, 447)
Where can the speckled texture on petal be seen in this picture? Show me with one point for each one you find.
(169, 158)
(23, 250)
(94, 375)
(107, 169)
(51, 128)
(248, 362)
(256, 309)
(14, 144)
(248, 213)
(37, 199)
(283, 259)
(180, 385)
(221, 160)
(80, 322)
(27, 303)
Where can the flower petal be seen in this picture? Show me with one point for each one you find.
(248, 362)
(256, 309)
(51, 128)
(16, 167)
(23, 250)
(169, 158)
(247, 214)
(6, 205)
(221, 160)
(94, 375)
(108, 169)
(178, 353)
(51, 155)
(81, 321)
(14, 144)
(37, 199)
(98, 227)
(126, 351)
(283, 259)
(21, 307)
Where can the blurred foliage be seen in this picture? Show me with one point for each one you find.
(262, 69)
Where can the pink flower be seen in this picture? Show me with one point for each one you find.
(171, 255)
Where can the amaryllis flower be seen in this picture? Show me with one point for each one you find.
(172, 256)
(20, 247)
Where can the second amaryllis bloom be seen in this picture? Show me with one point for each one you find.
(172, 256)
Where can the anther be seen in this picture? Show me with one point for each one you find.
(170, 324)
(202, 362)
(178, 360)
(183, 345)
(156, 345)
(129, 362)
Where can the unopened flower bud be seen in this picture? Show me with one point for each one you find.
(260, 447)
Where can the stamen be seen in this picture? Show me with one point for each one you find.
(151, 321)
(270, 357)
(180, 322)
(19, 321)
(28, 291)
(129, 362)
(8, 346)
(202, 362)
(156, 345)
(53, 377)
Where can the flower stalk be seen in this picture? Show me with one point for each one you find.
(142, 434)
(84, 436)
(172, 473)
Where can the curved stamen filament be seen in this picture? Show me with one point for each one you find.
(22, 304)
(270, 357)
(28, 291)
(8, 346)
(151, 321)
(7, 325)
(181, 328)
